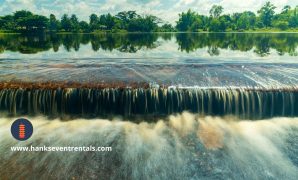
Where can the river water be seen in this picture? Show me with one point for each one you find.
(172, 106)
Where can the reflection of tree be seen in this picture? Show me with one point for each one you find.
(261, 43)
(213, 51)
(285, 44)
(70, 41)
(190, 41)
(263, 46)
(166, 36)
(135, 42)
(123, 42)
(25, 44)
(36, 43)
(131, 43)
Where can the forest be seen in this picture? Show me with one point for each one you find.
(130, 21)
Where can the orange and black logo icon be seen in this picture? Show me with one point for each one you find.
(21, 129)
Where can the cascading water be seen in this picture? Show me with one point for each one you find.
(252, 91)
(85, 102)
(167, 118)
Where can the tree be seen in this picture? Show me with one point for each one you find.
(66, 23)
(293, 17)
(53, 24)
(107, 21)
(225, 22)
(267, 14)
(22, 14)
(125, 17)
(286, 9)
(196, 25)
(152, 22)
(93, 19)
(188, 21)
(21, 18)
(216, 11)
(246, 21)
(75, 27)
(282, 25)
(293, 22)
(167, 28)
(139, 24)
(144, 24)
(8, 23)
(93, 22)
(26, 20)
(215, 25)
(39, 22)
(84, 26)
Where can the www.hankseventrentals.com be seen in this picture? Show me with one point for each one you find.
(62, 149)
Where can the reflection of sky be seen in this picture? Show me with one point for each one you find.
(165, 52)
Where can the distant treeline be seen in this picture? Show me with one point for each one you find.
(130, 21)
(261, 44)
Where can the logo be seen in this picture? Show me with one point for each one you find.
(21, 129)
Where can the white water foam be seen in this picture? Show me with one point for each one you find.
(181, 146)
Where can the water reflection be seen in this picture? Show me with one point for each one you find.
(259, 43)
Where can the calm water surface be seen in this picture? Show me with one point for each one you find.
(188, 59)
(151, 47)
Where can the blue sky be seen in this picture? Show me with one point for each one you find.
(168, 10)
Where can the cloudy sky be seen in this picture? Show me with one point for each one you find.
(168, 10)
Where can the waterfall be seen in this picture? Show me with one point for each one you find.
(127, 102)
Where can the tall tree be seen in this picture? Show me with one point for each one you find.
(54, 24)
(107, 21)
(66, 23)
(21, 18)
(22, 14)
(93, 19)
(147, 23)
(188, 21)
(246, 21)
(267, 14)
(125, 17)
(216, 11)
(75, 27)
(84, 26)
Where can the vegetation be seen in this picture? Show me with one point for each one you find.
(25, 21)
(129, 21)
(266, 18)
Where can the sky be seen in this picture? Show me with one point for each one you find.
(167, 10)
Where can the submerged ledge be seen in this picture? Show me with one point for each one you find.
(51, 85)
(64, 85)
